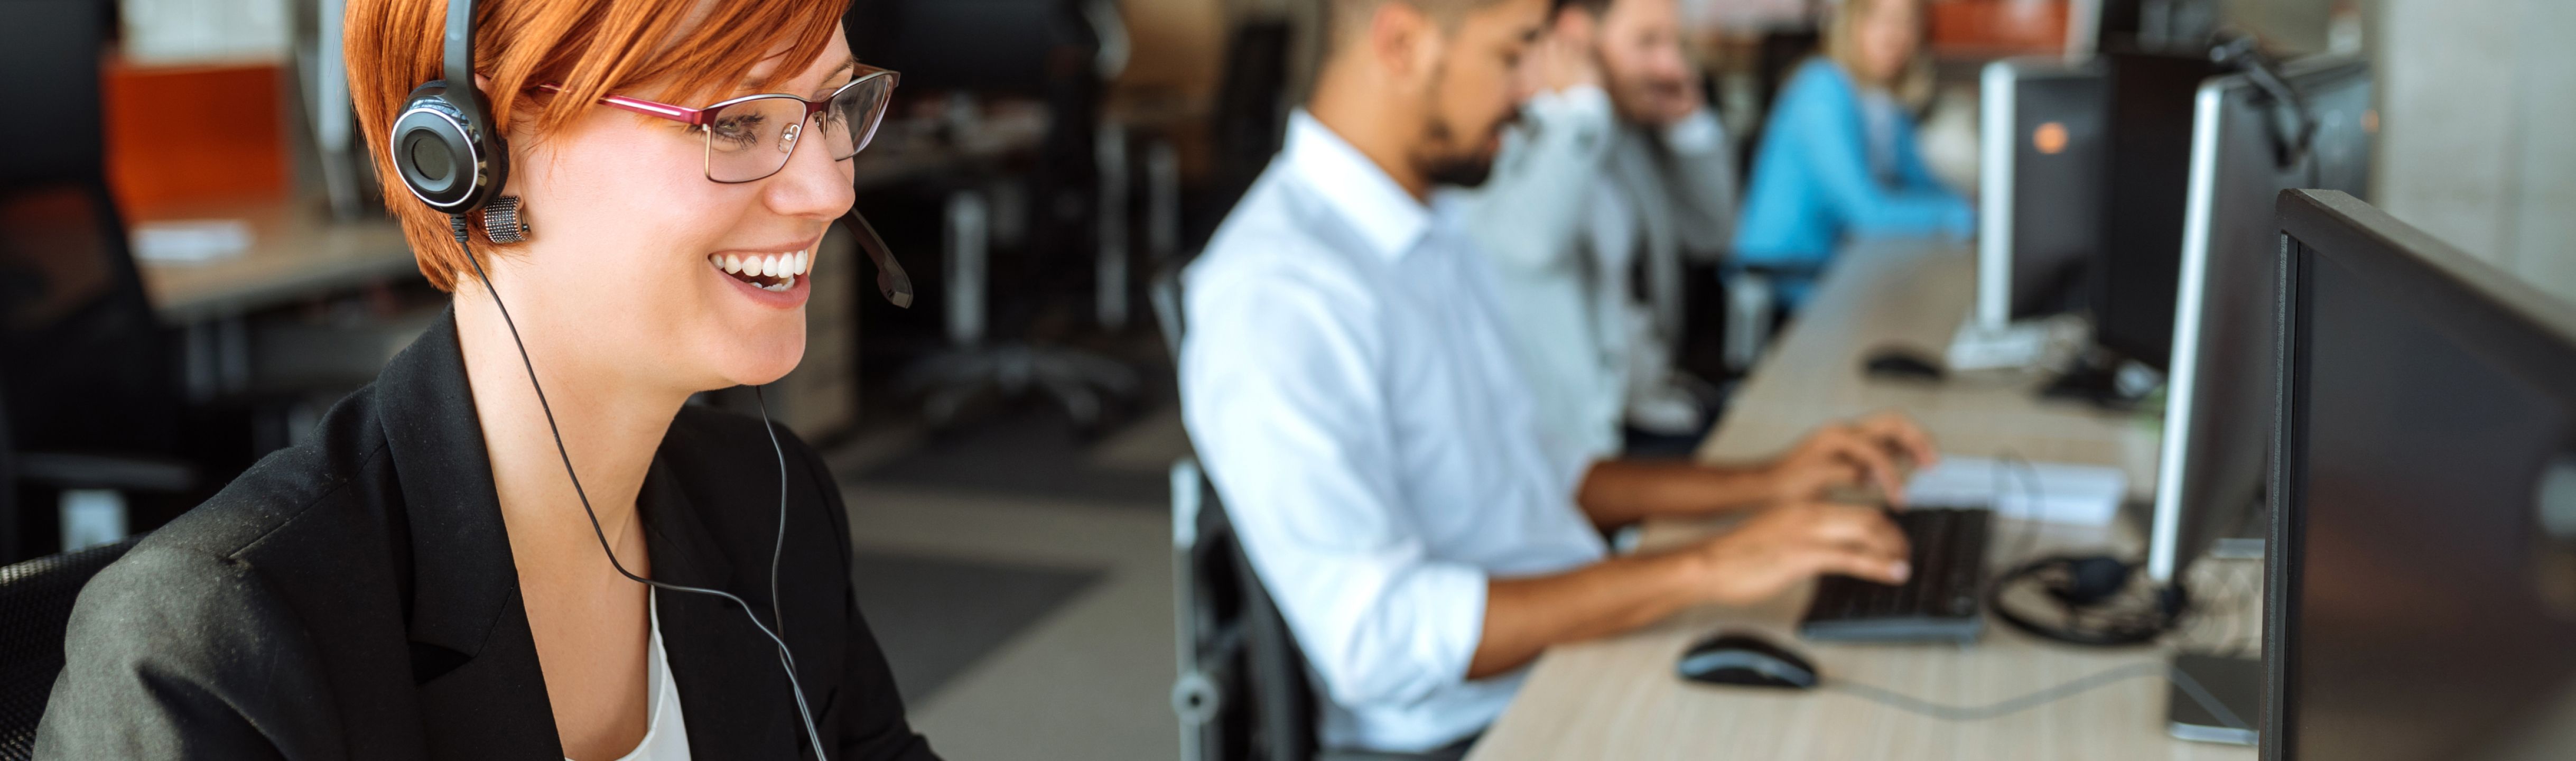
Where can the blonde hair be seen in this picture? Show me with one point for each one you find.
(1913, 85)
(590, 47)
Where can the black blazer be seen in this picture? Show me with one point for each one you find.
(354, 598)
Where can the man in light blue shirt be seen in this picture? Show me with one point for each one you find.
(1346, 379)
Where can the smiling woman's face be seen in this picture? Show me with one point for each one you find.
(629, 235)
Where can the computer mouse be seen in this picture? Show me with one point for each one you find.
(1747, 660)
(1903, 364)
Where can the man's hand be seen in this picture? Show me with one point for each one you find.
(1564, 57)
(1846, 455)
(1669, 101)
(1781, 546)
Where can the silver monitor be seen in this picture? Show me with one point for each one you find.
(2219, 402)
(2247, 146)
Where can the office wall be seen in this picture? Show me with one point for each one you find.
(2479, 103)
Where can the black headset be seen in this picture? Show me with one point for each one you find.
(2089, 607)
(444, 144)
(452, 157)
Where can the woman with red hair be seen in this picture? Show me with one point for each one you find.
(519, 542)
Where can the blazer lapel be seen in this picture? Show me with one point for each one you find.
(732, 691)
(482, 694)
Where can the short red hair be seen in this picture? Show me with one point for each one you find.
(688, 49)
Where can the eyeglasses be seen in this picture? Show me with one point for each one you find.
(751, 137)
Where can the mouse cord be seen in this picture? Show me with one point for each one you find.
(1910, 704)
(786, 659)
(2009, 464)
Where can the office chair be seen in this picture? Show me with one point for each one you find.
(1243, 692)
(1251, 119)
(87, 396)
(35, 606)
(1063, 51)
(1754, 313)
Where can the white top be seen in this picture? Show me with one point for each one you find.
(666, 735)
(1346, 379)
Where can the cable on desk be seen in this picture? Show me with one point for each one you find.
(2033, 497)
(1910, 704)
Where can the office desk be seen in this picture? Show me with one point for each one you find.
(296, 250)
(1617, 698)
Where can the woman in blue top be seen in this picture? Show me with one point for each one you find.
(1838, 159)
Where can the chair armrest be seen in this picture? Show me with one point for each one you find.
(92, 471)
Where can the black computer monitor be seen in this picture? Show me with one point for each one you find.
(2039, 211)
(2149, 158)
(2421, 596)
(987, 47)
(2220, 395)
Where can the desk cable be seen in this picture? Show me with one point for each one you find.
(2017, 704)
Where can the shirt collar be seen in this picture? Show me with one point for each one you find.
(1354, 187)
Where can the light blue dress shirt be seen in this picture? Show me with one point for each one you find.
(1347, 381)
(1814, 186)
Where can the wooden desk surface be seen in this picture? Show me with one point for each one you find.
(296, 249)
(1617, 698)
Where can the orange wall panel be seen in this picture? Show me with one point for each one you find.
(180, 135)
(1999, 27)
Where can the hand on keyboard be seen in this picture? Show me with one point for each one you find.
(1870, 452)
(1780, 547)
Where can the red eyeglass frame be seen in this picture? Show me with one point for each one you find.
(701, 117)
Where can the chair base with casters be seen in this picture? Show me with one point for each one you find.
(1080, 381)
(35, 608)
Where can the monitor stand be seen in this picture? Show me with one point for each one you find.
(1977, 346)
(2235, 684)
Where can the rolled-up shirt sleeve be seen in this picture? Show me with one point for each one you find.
(1281, 398)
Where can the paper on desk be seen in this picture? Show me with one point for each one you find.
(2048, 491)
(190, 241)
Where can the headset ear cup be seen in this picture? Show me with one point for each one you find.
(444, 151)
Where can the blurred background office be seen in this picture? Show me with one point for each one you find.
(193, 267)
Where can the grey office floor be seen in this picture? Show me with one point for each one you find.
(1019, 579)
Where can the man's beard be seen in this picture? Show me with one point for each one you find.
(1443, 159)
(1461, 167)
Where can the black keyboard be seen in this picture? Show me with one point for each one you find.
(1942, 600)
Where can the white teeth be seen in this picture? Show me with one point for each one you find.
(769, 266)
(716, 260)
(732, 264)
(804, 262)
(781, 286)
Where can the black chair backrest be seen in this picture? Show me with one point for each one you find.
(86, 363)
(1233, 631)
(1164, 293)
(8, 481)
(1236, 639)
(35, 605)
(1251, 119)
